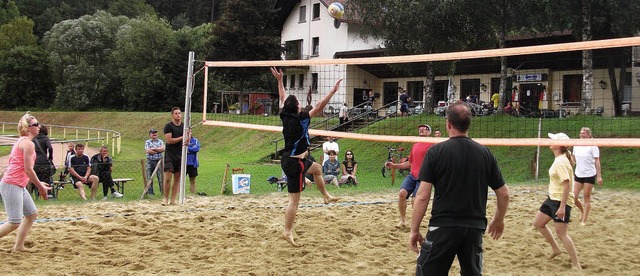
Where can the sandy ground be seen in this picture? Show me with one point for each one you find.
(239, 235)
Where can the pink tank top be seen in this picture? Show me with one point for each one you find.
(15, 174)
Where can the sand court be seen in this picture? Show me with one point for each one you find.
(239, 235)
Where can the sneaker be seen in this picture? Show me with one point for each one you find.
(104, 198)
(117, 195)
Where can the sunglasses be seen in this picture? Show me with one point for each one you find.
(34, 124)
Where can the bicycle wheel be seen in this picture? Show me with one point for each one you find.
(385, 171)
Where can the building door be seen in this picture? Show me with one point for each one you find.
(390, 92)
(530, 95)
(360, 96)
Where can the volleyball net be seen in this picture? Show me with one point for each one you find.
(543, 89)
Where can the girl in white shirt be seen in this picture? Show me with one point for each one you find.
(588, 172)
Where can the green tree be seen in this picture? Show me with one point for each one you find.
(143, 57)
(17, 32)
(8, 11)
(245, 31)
(25, 80)
(83, 68)
(130, 8)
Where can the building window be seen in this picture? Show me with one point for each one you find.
(301, 80)
(284, 81)
(293, 50)
(469, 87)
(303, 14)
(314, 82)
(293, 81)
(415, 90)
(315, 46)
(316, 11)
(572, 88)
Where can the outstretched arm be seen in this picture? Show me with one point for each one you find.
(322, 103)
(281, 93)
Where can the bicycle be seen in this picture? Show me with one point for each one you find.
(394, 154)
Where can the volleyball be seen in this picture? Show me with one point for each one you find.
(336, 10)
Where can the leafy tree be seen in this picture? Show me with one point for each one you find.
(130, 8)
(17, 32)
(8, 11)
(143, 57)
(80, 52)
(25, 79)
(245, 31)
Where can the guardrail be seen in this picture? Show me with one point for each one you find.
(65, 134)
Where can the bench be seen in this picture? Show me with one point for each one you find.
(59, 185)
(120, 182)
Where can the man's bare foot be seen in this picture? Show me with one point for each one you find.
(576, 267)
(289, 239)
(328, 200)
(401, 225)
(165, 203)
(582, 223)
(554, 254)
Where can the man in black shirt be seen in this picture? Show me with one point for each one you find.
(460, 171)
(295, 156)
(80, 170)
(173, 134)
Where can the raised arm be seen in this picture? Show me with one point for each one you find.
(281, 93)
(322, 103)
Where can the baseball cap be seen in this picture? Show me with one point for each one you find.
(558, 136)
(425, 125)
(153, 130)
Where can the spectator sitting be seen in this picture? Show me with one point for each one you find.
(349, 168)
(331, 169)
(103, 165)
(70, 153)
(80, 170)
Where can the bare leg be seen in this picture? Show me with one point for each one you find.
(290, 217)
(402, 208)
(561, 231)
(23, 231)
(80, 187)
(175, 188)
(540, 223)
(95, 182)
(577, 187)
(7, 228)
(166, 187)
(587, 204)
(316, 170)
(192, 184)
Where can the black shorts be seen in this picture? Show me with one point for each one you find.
(295, 170)
(442, 244)
(192, 171)
(172, 162)
(550, 207)
(585, 180)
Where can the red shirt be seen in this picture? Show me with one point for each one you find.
(418, 151)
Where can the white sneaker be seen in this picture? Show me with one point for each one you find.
(104, 198)
(117, 195)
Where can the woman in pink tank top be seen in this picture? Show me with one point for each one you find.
(20, 208)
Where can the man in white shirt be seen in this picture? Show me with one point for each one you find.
(330, 144)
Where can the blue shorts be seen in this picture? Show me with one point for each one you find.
(411, 185)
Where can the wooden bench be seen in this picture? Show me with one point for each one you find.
(120, 182)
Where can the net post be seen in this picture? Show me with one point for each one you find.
(186, 120)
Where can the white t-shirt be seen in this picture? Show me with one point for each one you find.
(585, 160)
(327, 146)
(343, 111)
